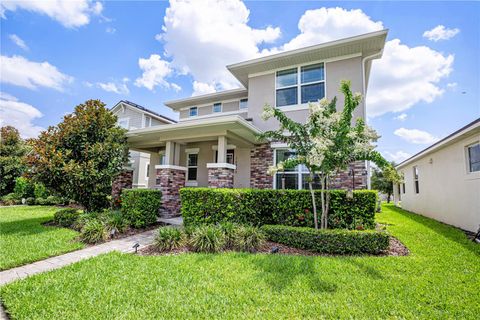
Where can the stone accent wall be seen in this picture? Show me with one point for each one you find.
(123, 181)
(345, 180)
(169, 181)
(261, 157)
(220, 177)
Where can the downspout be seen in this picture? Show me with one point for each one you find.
(364, 61)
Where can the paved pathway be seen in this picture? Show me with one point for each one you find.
(122, 245)
(177, 221)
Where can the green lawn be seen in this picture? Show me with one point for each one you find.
(440, 279)
(23, 238)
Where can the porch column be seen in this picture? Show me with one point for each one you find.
(220, 173)
(170, 177)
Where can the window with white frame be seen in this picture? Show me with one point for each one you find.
(147, 170)
(300, 84)
(217, 107)
(148, 121)
(162, 158)
(243, 104)
(193, 112)
(192, 166)
(123, 122)
(415, 180)
(473, 154)
(294, 178)
(230, 157)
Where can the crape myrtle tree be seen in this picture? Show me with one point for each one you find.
(81, 156)
(325, 144)
(12, 150)
(384, 179)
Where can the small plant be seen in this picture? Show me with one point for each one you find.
(93, 231)
(168, 238)
(66, 217)
(207, 238)
(114, 221)
(41, 201)
(248, 238)
(11, 199)
(30, 201)
(53, 200)
(229, 230)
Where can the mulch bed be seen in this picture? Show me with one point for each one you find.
(396, 249)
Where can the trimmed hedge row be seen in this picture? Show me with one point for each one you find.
(285, 207)
(140, 206)
(329, 241)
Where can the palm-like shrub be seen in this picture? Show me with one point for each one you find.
(248, 238)
(93, 231)
(168, 238)
(114, 221)
(207, 238)
(229, 230)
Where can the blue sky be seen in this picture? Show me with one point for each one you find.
(56, 55)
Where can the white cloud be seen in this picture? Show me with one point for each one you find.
(401, 117)
(110, 30)
(452, 85)
(200, 88)
(398, 156)
(18, 41)
(202, 37)
(155, 71)
(70, 14)
(415, 136)
(118, 88)
(440, 33)
(20, 115)
(19, 71)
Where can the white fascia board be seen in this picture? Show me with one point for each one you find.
(170, 166)
(221, 165)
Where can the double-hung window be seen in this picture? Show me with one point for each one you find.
(293, 178)
(148, 121)
(415, 180)
(217, 107)
(473, 153)
(192, 166)
(300, 85)
(193, 112)
(243, 104)
(230, 157)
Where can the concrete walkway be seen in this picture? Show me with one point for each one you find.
(123, 245)
(176, 221)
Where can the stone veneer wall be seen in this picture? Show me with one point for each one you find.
(123, 181)
(261, 157)
(220, 177)
(169, 181)
(344, 180)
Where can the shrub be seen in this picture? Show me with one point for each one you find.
(114, 221)
(140, 206)
(11, 199)
(248, 238)
(93, 231)
(66, 217)
(168, 238)
(53, 200)
(40, 191)
(24, 188)
(30, 201)
(285, 207)
(229, 230)
(329, 241)
(41, 201)
(207, 238)
(82, 220)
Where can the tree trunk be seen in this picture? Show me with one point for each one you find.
(322, 219)
(327, 202)
(315, 216)
(388, 197)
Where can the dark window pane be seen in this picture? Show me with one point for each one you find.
(192, 174)
(313, 92)
(286, 97)
(217, 107)
(312, 73)
(287, 78)
(474, 157)
(283, 155)
(243, 104)
(286, 181)
(192, 160)
(316, 182)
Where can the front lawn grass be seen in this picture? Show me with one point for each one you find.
(23, 238)
(439, 279)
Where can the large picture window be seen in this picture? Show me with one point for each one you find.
(294, 178)
(474, 158)
(305, 84)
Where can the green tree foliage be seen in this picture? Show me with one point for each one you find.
(12, 149)
(80, 157)
(326, 143)
(384, 179)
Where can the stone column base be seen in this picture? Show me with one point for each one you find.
(220, 175)
(169, 179)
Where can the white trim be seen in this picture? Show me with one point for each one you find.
(278, 145)
(467, 158)
(229, 146)
(192, 150)
(216, 114)
(125, 105)
(170, 166)
(210, 104)
(191, 183)
(221, 165)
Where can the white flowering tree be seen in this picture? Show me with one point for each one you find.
(326, 144)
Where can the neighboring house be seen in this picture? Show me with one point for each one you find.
(132, 116)
(214, 143)
(443, 181)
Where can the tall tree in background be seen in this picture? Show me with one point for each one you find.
(80, 157)
(12, 150)
(384, 179)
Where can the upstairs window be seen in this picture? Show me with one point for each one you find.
(193, 112)
(474, 157)
(415, 179)
(217, 107)
(243, 104)
(148, 121)
(123, 122)
(305, 84)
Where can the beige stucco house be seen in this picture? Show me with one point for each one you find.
(443, 181)
(214, 142)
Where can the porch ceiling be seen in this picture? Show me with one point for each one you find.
(235, 128)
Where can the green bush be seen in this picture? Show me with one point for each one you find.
(82, 220)
(93, 231)
(54, 200)
(24, 188)
(229, 230)
(168, 238)
(285, 207)
(140, 206)
(329, 241)
(207, 238)
(41, 201)
(66, 217)
(40, 191)
(11, 199)
(114, 221)
(248, 238)
(30, 201)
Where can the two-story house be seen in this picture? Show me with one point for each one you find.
(214, 142)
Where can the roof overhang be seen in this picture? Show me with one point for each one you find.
(470, 129)
(366, 44)
(235, 128)
(126, 104)
(207, 98)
